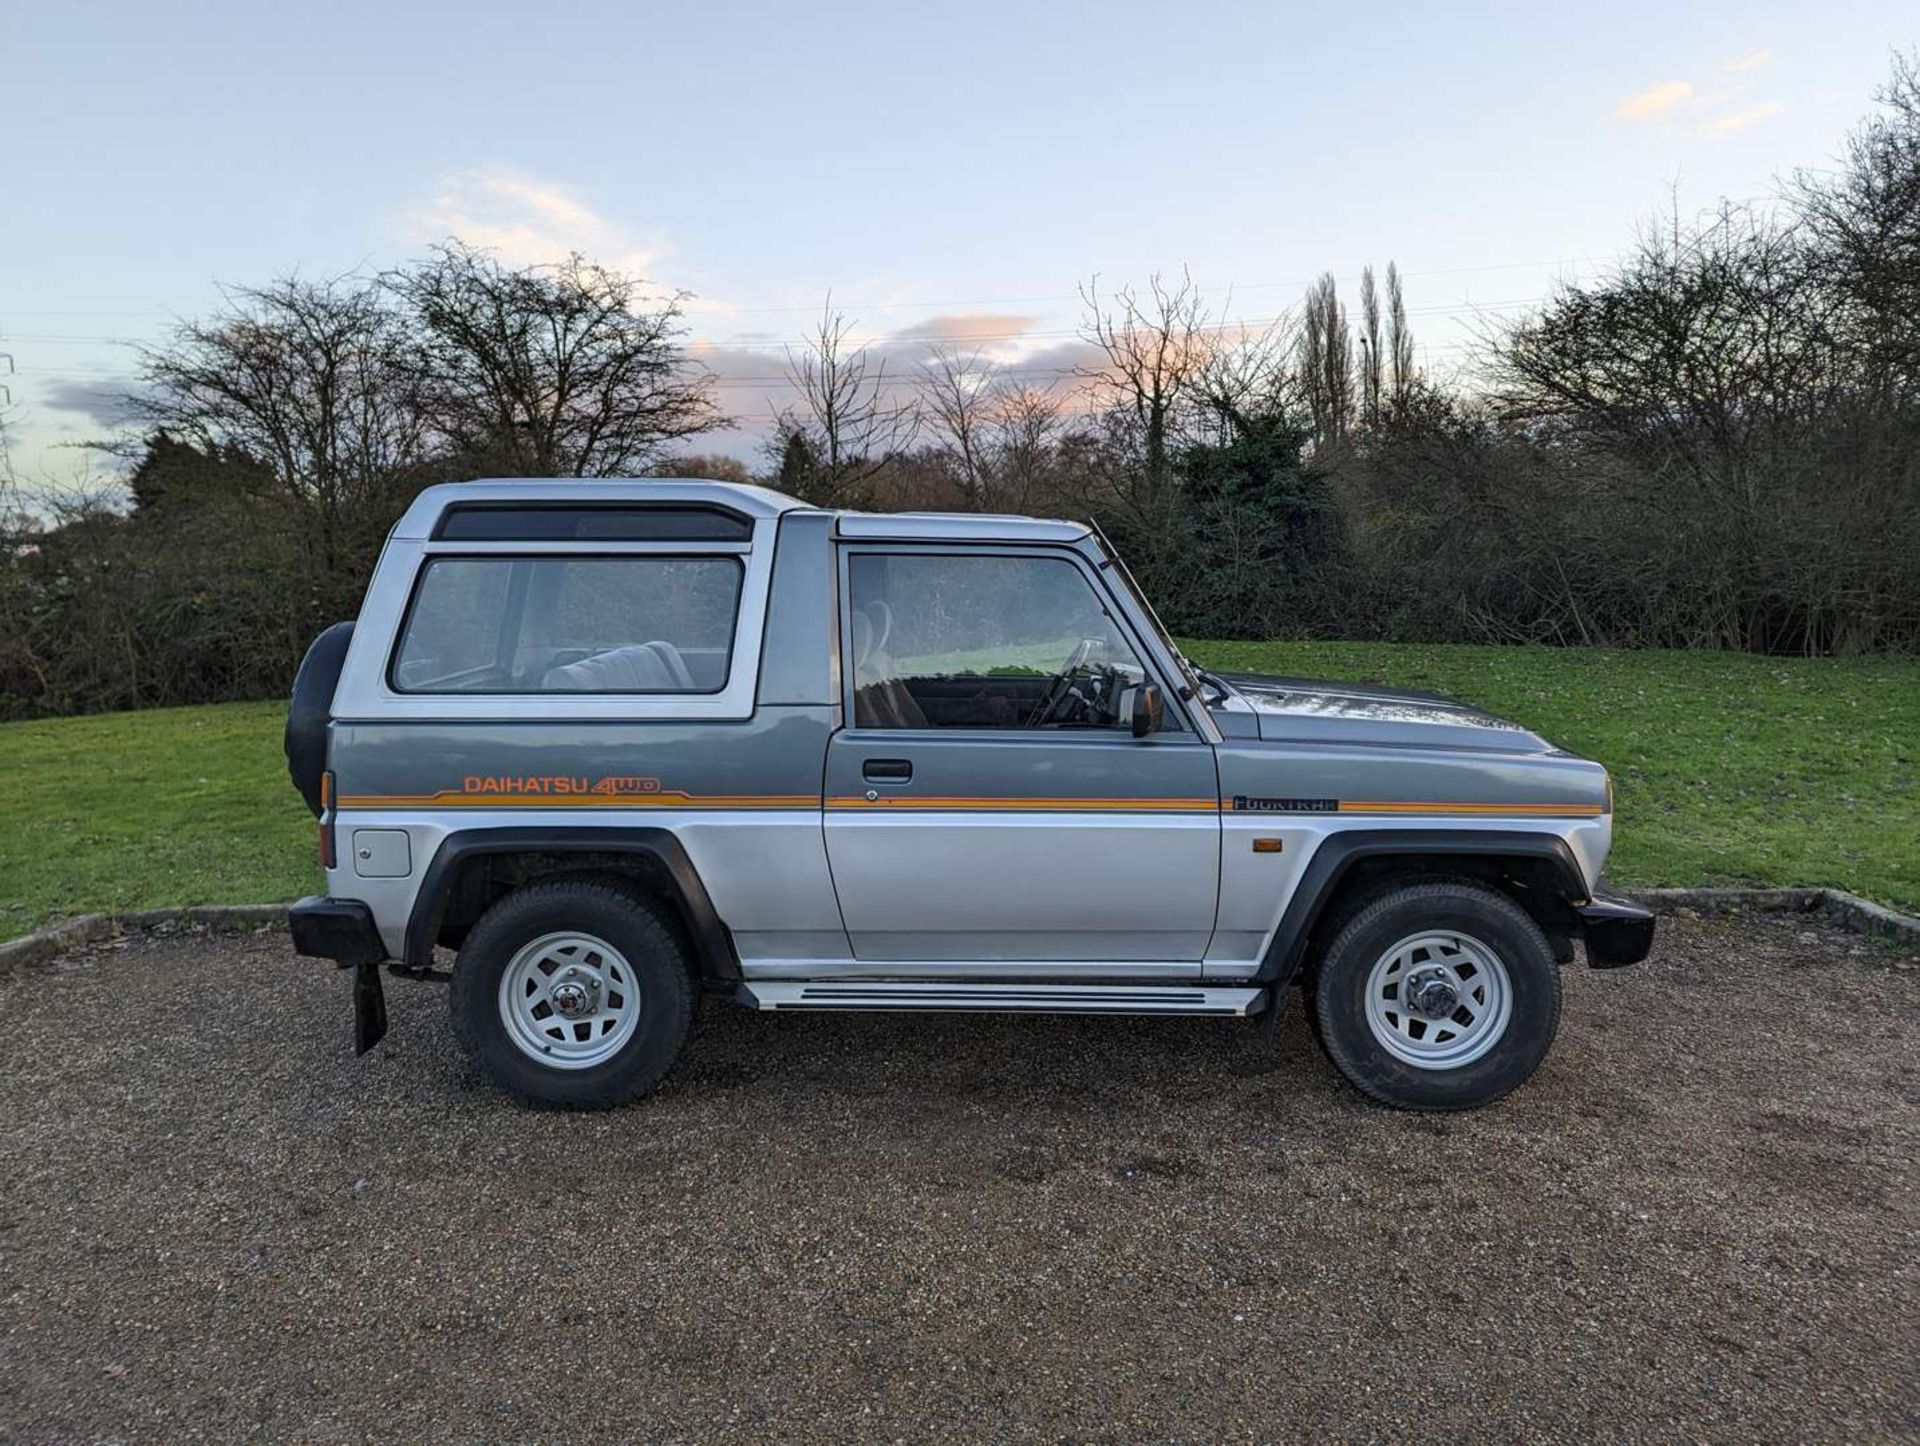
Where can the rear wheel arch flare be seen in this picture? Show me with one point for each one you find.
(463, 881)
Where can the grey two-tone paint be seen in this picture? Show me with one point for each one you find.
(1055, 855)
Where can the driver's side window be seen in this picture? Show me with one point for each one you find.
(984, 640)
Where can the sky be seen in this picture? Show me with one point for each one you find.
(949, 174)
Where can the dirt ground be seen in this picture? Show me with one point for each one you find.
(1698, 1221)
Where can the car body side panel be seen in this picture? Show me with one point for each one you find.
(743, 798)
(1302, 794)
(799, 661)
(1055, 847)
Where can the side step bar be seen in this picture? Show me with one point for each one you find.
(1005, 998)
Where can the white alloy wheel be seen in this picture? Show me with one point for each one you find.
(1438, 1000)
(569, 1000)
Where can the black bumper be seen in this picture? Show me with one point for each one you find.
(342, 930)
(337, 929)
(1616, 931)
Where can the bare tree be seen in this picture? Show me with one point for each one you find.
(959, 395)
(849, 420)
(1399, 345)
(1866, 217)
(1372, 363)
(710, 466)
(307, 377)
(994, 436)
(1025, 428)
(1245, 374)
(1326, 362)
(549, 371)
(1152, 347)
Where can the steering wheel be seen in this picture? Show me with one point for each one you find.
(1056, 693)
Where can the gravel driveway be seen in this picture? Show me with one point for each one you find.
(1699, 1220)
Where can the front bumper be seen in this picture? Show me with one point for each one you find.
(342, 930)
(1617, 931)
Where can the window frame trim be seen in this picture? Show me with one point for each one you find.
(1182, 731)
(433, 557)
(364, 695)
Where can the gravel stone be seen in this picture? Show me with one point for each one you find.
(1697, 1222)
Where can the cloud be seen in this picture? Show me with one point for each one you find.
(1751, 61)
(965, 329)
(1654, 101)
(105, 404)
(527, 221)
(749, 371)
(1746, 116)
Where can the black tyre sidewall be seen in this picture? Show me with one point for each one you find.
(629, 922)
(1340, 1003)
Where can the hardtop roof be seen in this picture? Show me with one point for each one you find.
(740, 497)
(749, 501)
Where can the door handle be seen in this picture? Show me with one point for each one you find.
(887, 770)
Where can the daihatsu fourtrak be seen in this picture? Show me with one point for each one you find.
(619, 743)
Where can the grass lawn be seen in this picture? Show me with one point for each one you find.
(1727, 768)
(140, 810)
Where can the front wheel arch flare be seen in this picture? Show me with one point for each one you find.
(1406, 854)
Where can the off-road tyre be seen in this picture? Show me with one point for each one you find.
(1339, 1006)
(633, 924)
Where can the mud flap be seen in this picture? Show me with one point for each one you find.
(369, 1007)
(1270, 1025)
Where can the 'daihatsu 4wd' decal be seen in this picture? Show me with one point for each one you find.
(547, 790)
(556, 783)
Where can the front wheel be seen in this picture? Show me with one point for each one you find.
(572, 993)
(1438, 996)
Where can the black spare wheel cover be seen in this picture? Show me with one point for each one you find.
(312, 708)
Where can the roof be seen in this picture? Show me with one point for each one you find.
(956, 527)
(754, 502)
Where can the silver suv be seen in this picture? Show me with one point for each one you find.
(616, 743)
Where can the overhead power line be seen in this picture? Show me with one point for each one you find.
(846, 306)
(915, 338)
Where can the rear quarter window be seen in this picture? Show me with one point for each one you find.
(580, 624)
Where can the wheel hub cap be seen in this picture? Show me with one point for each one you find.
(1438, 1000)
(1432, 994)
(572, 999)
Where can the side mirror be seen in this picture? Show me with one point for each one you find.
(1147, 710)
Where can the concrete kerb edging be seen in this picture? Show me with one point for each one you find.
(97, 928)
(1849, 911)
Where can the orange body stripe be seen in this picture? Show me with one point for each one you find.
(454, 798)
(1572, 810)
(1031, 805)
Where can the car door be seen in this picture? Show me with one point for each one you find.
(986, 808)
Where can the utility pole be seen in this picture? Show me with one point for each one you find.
(6, 405)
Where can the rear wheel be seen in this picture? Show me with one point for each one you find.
(1438, 996)
(573, 993)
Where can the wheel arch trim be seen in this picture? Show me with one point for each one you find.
(1339, 852)
(713, 944)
